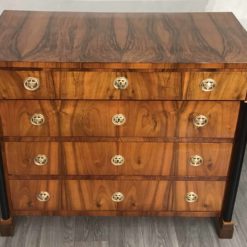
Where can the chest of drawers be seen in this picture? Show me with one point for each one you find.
(121, 114)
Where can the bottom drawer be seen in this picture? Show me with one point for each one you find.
(113, 195)
(145, 195)
(43, 195)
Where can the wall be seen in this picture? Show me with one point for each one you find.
(238, 7)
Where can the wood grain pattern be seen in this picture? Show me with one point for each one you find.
(95, 158)
(89, 158)
(216, 158)
(143, 118)
(24, 193)
(154, 40)
(20, 158)
(167, 118)
(222, 118)
(210, 195)
(146, 158)
(230, 86)
(142, 195)
(16, 115)
(11, 85)
(99, 85)
(89, 195)
(88, 118)
(96, 195)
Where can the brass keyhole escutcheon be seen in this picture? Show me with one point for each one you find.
(31, 83)
(121, 83)
(208, 85)
(117, 197)
(37, 119)
(191, 197)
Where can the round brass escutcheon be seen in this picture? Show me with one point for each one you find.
(40, 160)
(196, 160)
(121, 83)
(117, 160)
(31, 83)
(118, 119)
(117, 197)
(200, 121)
(208, 85)
(43, 196)
(37, 119)
(191, 197)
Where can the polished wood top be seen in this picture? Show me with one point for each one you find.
(133, 40)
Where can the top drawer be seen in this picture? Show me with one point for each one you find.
(214, 85)
(123, 85)
(89, 85)
(26, 85)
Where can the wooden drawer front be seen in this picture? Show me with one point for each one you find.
(12, 85)
(88, 118)
(95, 158)
(99, 85)
(143, 118)
(32, 158)
(24, 194)
(171, 195)
(222, 118)
(16, 118)
(146, 158)
(229, 86)
(169, 119)
(210, 195)
(202, 159)
(145, 195)
(97, 195)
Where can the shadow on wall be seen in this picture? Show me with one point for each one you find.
(108, 6)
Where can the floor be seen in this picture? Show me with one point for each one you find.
(129, 231)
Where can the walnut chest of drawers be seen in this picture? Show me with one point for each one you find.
(121, 114)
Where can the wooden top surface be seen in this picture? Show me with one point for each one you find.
(133, 40)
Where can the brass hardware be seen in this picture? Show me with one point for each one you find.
(191, 197)
(208, 85)
(117, 160)
(117, 197)
(196, 160)
(43, 196)
(31, 83)
(200, 121)
(118, 119)
(121, 83)
(37, 119)
(40, 160)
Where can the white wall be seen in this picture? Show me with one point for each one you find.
(238, 7)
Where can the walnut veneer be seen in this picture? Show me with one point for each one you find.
(121, 114)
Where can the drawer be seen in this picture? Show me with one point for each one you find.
(29, 118)
(146, 158)
(148, 118)
(84, 195)
(145, 195)
(196, 196)
(42, 195)
(117, 85)
(202, 159)
(214, 85)
(111, 158)
(180, 119)
(32, 158)
(26, 85)
(116, 118)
